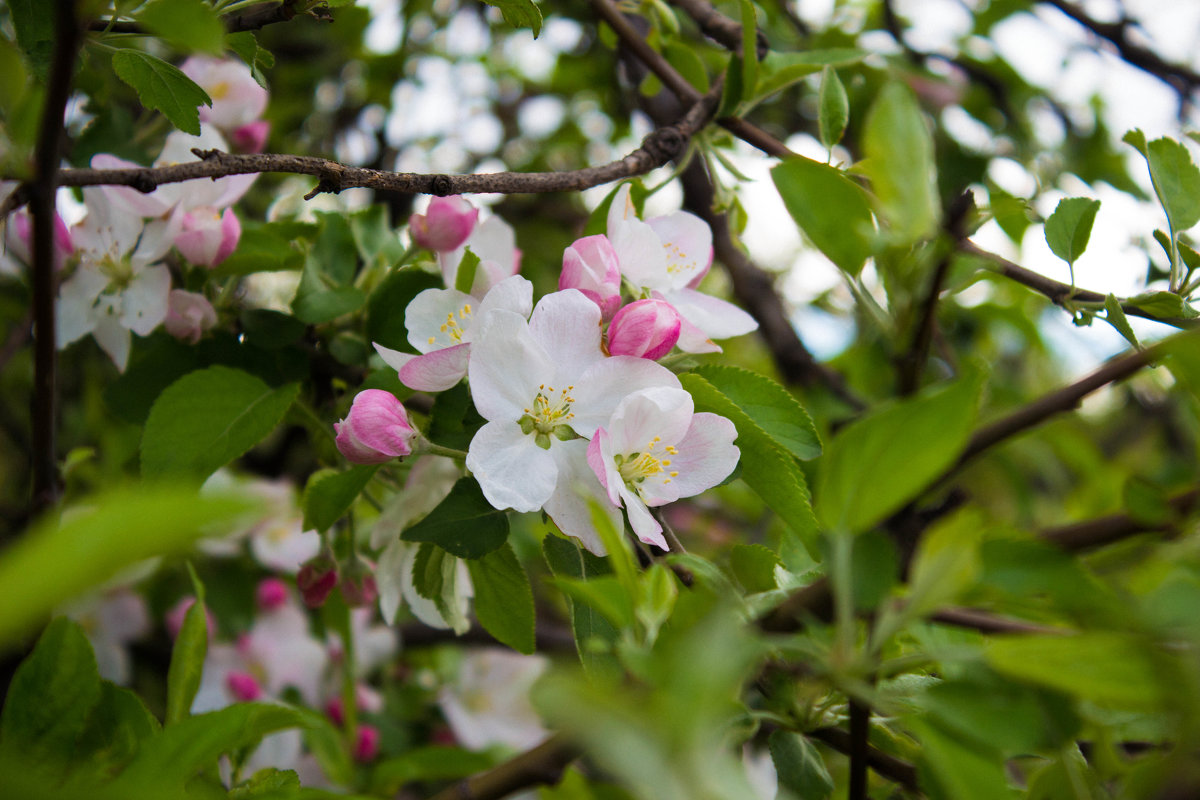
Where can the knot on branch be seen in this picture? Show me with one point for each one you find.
(441, 185)
(664, 144)
(144, 183)
(207, 155)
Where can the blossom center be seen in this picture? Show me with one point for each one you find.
(549, 416)
(453, 327)
(653, 460)
(677, 259)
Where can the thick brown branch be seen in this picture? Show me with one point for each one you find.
(1182, 79)
(253, 19)
(657, 148)
(1061, 293)
(755, 290)
(1092, 533)
(543, 765)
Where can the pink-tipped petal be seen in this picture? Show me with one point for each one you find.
(645, 328)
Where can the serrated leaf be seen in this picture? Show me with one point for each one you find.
(187, 662)
(899, 160)
(53, 562)
(520, 14)
(162, 87)
(881, 461)
(187, 25)
(1115, 316)
(503, 598)
(770, 405)
(329, 494)
(1176, 182)
(834, 108)
(464, 524)
(767, 467)
(209, 417)
(754, 567)
(799, 765)
(832, 210)
(1070, 226)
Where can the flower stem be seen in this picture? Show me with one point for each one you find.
(437, 450)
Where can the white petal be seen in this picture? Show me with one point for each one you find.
(600, 459)
(434, 317)
(621, 208)
(641, 255)
(576, 493)
(567, 326)
(599, 390)
(437, 371)
(511, 469)
(717, 318)
(388, 574)
(126, 198)
(113, 338)
(422, 608)
(687, 244)
(662, 412)
(507, 366)
(694, 340)
(75, 314)
(393, 358)
(643, 523)
(514, 293)
(706, 455)
(144, 302)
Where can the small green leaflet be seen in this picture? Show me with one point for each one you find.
(503, 598)
(1070, 226)
(187, 25)
(834, 111)
(832, 210)
(162, 87)
(520, 14)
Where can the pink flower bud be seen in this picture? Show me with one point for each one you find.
(174, 617)
(271, 594)
(316, 580)
(19, 238)
(376, 429)
(335, 709)
(243, 686)
(590, 265)
(646, 328)
(445, 225)
(360, 590)
(367, 746)
(208, 237)
(251, 137)
(189, 315)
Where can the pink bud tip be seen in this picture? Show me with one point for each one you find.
(590, 265)
(336, 711)
(445, 225)
(367, 746)
(360, 591)
(243, 686)
(174, 617)
(316, 580)
(251, 137)
(376, 429)
(645, 328)
(271, 594)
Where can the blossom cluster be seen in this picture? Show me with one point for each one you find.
(579, 412)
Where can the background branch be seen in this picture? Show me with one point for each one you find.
(543, 764)
(253, 19)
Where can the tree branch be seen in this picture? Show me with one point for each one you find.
(659, 147)
(1089, 534)
(51, 134)
(543, 764)
(720, 28)
(860, 729)
(253, 19)
(1061, 293)
(885, 764)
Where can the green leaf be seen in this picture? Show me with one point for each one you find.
(749, 54)
(187, 662)
(329, 494)
(430, 763)
(435, 577)
(782, 69)
(1164, 305)
(374, 236)
(49, 700)
(1115, 316)
(267, 247)
(520, 14)
(33, 21)
(187, 25)
(269, 782)
(799, 765)
(464, 524)
(767, 468)
(269, 329)
(946, 563)
(952, 767)
(53, 562)
(464, 279)
(1136, 139)
(319, 298)
(606, 594)
(1070, 226)
(594, 634)
(899, 161)
(162, 87)
(687, 62)
(881, 461)
(245, 44)
(1011, 213)
(1108, 668)
(207, 418)
(385, 307)
(503, 598)
(832, 210)
(1176, 182)
(117, 727)
(733, 90)
(754, 567)
(834, 107)
(772, 407)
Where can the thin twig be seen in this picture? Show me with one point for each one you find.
(1061, 293)
(657, 148)
(253, 19)
(860, 729)
(543, 765)
(68, 35)
(1093, 533)
(720, 28)
(885, 764)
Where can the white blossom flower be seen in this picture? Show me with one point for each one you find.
(488, 702)
(494, 241)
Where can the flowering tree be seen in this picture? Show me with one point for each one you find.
(401, 426)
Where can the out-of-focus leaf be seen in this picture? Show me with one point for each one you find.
(503, 598)
(187, 25)
(799, 765)
(834, 106)
(1115, 315)
(899, 160)
(594, 634)
(187, 662)
(782, 69)
(329, 494)
(520, 14)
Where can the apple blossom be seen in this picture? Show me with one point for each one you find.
(366, 747)
(376, 429)
(494, 241)
(655, 449)
(544, 386)
(441, 325)
(237, 99)
(251, 137)
(111, 620)
(208, 236)
(667, 257)
(243, 686)
(487, 703)
(645, 328)
(316, 579)
(189, 315)
(445, 225)
(590, 265)
(18, 239)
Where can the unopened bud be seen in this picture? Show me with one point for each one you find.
(316, 580)
(271, 594)
(445, 225)
(645, 328)
(376, 430)
(590, 265)
(243, 686)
